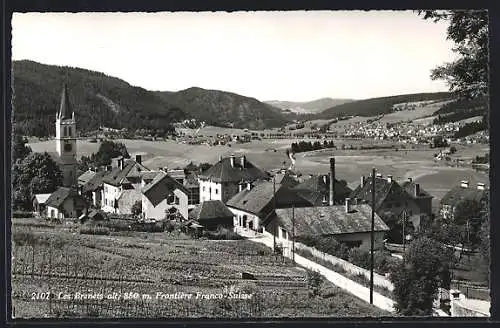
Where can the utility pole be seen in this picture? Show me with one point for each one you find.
(293, 233)
(274, 208)
(404, 236)
(372, 236)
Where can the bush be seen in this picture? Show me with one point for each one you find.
(94, 230)
(314, 282)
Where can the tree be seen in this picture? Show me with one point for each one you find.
(416, 282)
(468, 75)
(19, 148)
(136, 208)
(108, 150)
(37, 173)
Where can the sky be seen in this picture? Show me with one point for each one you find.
(279, 55)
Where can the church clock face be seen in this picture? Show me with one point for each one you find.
(68, 147)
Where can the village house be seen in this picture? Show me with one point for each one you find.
(212, 214)
(220, 182)
(39, 204)
(123, 182)
(190, 182)
(164, 195)
(453, 198)
(255, 203)
(421, 197)
(65, 203)
(347, 223)
(90, 186)
(391, 199)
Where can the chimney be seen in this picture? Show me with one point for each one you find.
(120, 163)
(240, 186)
(417, 189)
(249, 185)
(325, 180)
(231, 158)
(362, 181)
(138, 159)
(348, 205)
(242, 161)
(464, 184)
(410, 179)
(332, 181)
(389, 178)
(480, 186)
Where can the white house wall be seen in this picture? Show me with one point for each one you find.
(158, 212)
(238, 218)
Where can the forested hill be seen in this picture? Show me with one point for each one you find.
(97, 99)
(377, 106)
(222, 108)
(101, 100)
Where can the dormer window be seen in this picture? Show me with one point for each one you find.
(69, 131)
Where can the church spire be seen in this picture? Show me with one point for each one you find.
(66, 110)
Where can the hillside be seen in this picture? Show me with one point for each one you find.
(377, 106)
(98, 99)
(315, 106)
(101, 100)
(225, 109)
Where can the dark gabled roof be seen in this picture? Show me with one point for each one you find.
(328, 220)
(118, 177)
(65, 109)
(383, 189)
(209, 210)
(286, 179)
(260, 198)
(94, 183)
(409, 187)
(57, 198)
(162, 186)
(321, 184)
(222, 171)
(459, 194)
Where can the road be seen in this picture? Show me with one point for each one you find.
(337, 279)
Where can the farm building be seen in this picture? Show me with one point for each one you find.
(91, 189)
(391, 199)
(347, 223)
(126, 175)
(39, 203)
(65, 203)
(211, 214)
(164, 194)
(421, 197)
(453, 198)
(220, 182)
(254, 203)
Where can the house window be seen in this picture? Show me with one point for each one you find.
(65, 131)
(216, 191)
(203, 188)
(177, 200)
(69, 131)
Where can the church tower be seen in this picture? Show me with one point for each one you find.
(66, 140)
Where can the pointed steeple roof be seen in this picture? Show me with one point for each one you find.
(65, 110)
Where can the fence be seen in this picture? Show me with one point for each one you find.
(471, 291)
(378, 280)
